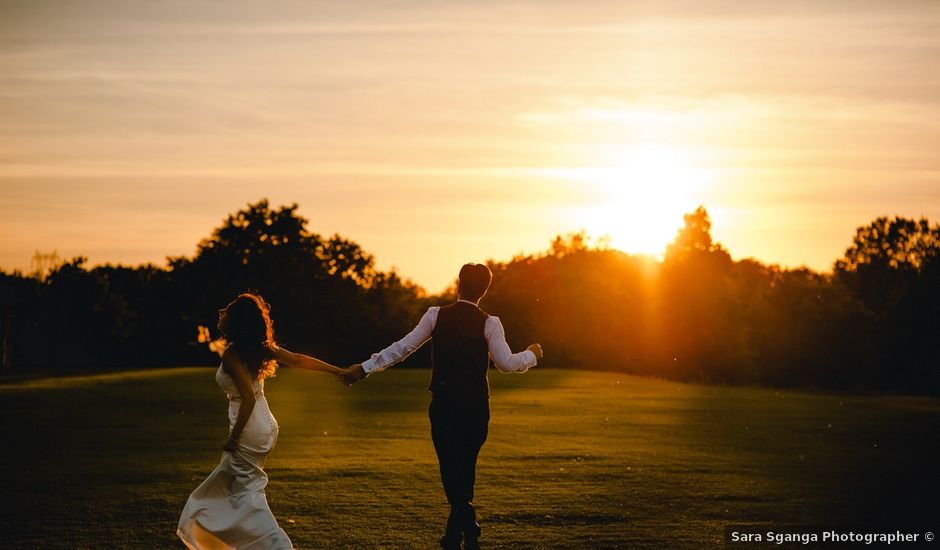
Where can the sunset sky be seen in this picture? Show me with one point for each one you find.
(434, 133)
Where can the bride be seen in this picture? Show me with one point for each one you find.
(229, 509)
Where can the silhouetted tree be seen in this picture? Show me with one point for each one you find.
(78, 321)
(893, 267)
(323, 292)
(326, 295)
(698, 314)
(701, 315)
(699, 331)
(694, 237)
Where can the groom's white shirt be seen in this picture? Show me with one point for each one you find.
(503, 357)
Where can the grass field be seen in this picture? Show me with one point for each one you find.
(574, 460)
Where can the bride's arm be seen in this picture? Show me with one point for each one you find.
(233, 365)
(305, 362)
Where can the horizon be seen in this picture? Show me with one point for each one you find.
(432, 134)
(594, 241)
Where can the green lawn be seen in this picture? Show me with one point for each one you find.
(574, 460)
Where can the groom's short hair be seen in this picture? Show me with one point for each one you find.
(473, 281)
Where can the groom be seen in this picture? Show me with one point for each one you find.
(465, 338)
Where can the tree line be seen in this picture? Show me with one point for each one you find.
(697, 314)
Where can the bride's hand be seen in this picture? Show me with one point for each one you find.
(230, 446)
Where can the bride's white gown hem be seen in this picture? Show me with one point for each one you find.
(229, 510)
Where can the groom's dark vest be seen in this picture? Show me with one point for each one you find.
(460, 356)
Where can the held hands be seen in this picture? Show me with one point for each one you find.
(537, 350)
(351, 375)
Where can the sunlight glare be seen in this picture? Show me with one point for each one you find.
(642, 198)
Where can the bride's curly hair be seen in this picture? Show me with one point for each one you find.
(246, 326)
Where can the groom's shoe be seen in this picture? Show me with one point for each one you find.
(471, 531)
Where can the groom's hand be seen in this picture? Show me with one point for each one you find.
(353, 374)
(537, 350)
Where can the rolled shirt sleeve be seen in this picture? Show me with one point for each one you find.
(401, 349)
(503, 357)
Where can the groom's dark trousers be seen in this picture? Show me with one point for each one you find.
(458, 431)
(459, 410)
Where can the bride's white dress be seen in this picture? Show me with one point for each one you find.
(229, 509)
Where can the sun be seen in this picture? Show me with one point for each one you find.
(642, 197)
